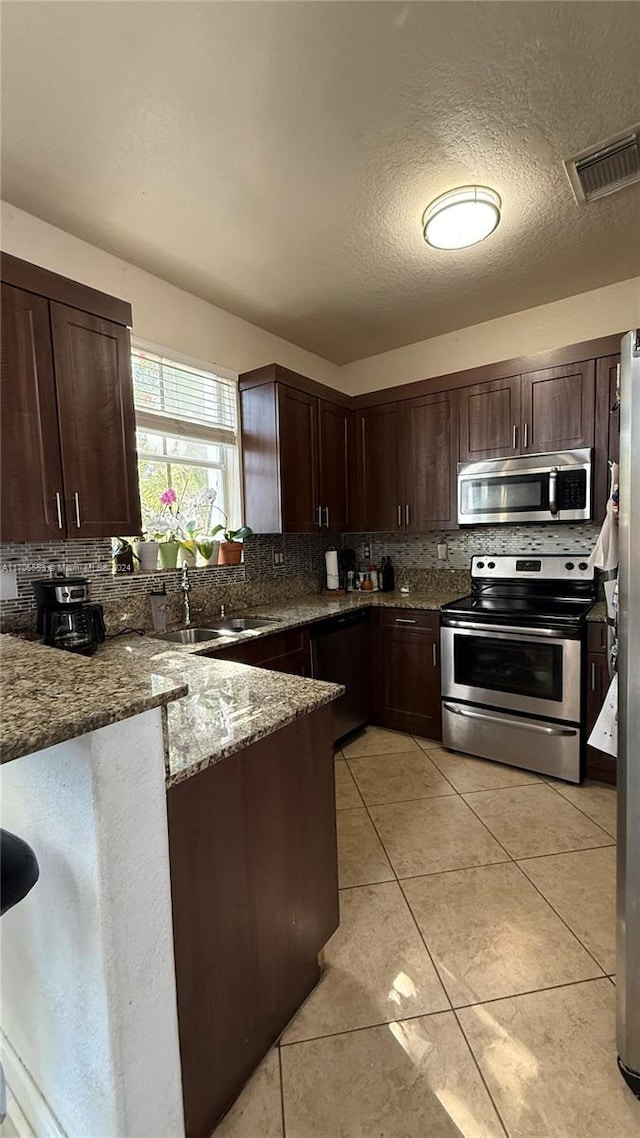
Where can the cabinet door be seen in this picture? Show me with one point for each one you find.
(429, 433)
(490, 419)
(33, 497)
(408, 673)
(607, 431)
(92, 359)
(600, 765)
(558, 408)
(380, 474)
(333, 422)
(298, 440)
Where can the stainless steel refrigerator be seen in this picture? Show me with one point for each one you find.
(628, 902)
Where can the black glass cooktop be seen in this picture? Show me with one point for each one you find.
(515, 609)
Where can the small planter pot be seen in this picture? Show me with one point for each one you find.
(230, 553)
(212, 559)
(147, 554)
(123, 562)
(186, 557)
(168, 554)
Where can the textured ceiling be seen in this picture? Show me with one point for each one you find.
(276, 158)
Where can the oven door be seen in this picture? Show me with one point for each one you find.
(521, 669)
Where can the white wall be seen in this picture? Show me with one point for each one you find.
(88, 985)
(601, 312)
(162, 314)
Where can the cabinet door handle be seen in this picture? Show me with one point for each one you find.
(593, 675)
(319, 512)
(404, 620)
(406, 514)
(434, 654)
(76, 497)
(514, 439)
(399, 514)
(526, 436)
(326, 520)
(59, 509)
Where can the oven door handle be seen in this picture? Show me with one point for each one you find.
(540, 728)
(508, 631)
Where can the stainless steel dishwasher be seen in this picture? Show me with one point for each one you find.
(341, 653)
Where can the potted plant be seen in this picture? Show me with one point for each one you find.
(122, 553)
(166, 527)
(188, 544)
(230, 552)
(146, 553)
(207, 551)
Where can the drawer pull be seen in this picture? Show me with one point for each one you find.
(434, 654)
(404, 620)
(593, 675)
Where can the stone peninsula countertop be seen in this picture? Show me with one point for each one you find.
(49, 696)
(598, 612)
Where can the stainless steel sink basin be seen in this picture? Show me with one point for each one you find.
(240, 623)
(191, 635)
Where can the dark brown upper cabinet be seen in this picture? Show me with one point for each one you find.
(97, 424)
(294, 447)
(33, 490)
(490, 419)
(377, 478)
(68, 426)
(540, 411)
(429, 456)
(406, 456)
(558, 407)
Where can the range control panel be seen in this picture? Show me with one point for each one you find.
(545, 567)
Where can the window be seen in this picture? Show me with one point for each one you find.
(187, 438)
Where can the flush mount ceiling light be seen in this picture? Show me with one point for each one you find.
(461, 217)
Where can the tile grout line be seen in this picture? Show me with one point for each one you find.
(443, 1011)
(284, 1125)
(549, 853)
(559, 915)
(559, 792)
(484, 1082)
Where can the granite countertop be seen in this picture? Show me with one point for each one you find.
(228, 706)
(49, 696)
(598, 612)
(309, 610)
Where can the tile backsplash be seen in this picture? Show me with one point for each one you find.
(420, 551)
(125, 597)
(258, 581)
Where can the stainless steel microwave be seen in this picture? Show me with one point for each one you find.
(532, 488)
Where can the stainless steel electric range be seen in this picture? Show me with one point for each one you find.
(513, 663)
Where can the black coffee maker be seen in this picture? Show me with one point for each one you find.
(66, 617)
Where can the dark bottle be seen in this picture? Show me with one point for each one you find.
(388, 575)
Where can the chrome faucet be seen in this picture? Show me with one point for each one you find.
(185, 585)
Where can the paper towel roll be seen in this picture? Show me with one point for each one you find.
(333, 577)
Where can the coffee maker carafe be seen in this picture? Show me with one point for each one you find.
(66, 617)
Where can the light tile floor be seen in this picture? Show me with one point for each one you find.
(468, 991)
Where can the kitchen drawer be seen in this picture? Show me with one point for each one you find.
(267, 648)
(597, 636)
(411, 618)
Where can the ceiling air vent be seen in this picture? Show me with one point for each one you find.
(602, 170)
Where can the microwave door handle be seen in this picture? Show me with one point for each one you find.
(553, 491)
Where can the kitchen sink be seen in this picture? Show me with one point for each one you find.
(240, 624)
(191, 635)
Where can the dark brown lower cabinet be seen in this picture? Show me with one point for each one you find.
(600, 765)
(281, 652)
(407, 671)
(254, 886)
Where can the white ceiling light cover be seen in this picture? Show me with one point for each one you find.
(461, 217)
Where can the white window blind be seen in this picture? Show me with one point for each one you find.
(183, 401)
(187, 439)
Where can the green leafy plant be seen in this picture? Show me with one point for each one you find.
(230, 534)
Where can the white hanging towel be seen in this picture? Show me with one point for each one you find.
(605, 554)
(604, 736)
